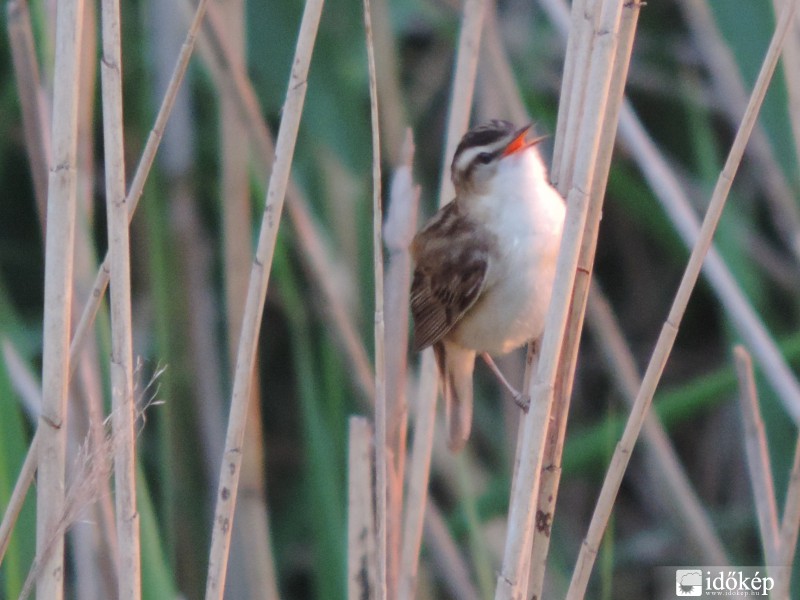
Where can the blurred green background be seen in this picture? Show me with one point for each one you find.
(307, 388)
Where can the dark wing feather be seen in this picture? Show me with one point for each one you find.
(451, 257)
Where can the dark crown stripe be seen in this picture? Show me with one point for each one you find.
(484, 135)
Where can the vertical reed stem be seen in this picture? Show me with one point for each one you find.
(381, 457)
(59, 251)
(129, 582)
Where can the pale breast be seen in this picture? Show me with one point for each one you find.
(513, 307)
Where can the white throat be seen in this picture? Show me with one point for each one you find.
(517, 191)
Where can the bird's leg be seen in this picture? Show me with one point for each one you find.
(520, 399)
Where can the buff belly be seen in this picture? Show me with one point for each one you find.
(512, 310)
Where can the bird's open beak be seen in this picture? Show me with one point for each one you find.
(519, 142)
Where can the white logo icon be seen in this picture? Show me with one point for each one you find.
(689, 582)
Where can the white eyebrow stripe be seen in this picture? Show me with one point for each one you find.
(469, 154)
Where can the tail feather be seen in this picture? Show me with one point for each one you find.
(456, 365)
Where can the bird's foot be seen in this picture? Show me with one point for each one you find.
(523, 401)
(520, 399)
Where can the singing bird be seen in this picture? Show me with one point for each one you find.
(485, 262)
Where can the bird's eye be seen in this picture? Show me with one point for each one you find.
(484, 158)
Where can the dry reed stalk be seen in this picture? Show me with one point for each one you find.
(672, 478)
(398, 232)
(418, 476)
(59, 247)
(742, 315)
(755, 443)
(235, 186)
(31, 99)
(573, 93)
(469, 42)
(669, 331)
(572, 55)
(361, 555)
(315, 252)
(128, 559)
(140, 177)
(551, 464)
(731, 95)
(223, 60)
(17, 499)
(513, 579)
(252, 531)
(256, 295)
(387, 583)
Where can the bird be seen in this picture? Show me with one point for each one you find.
(484, 264)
